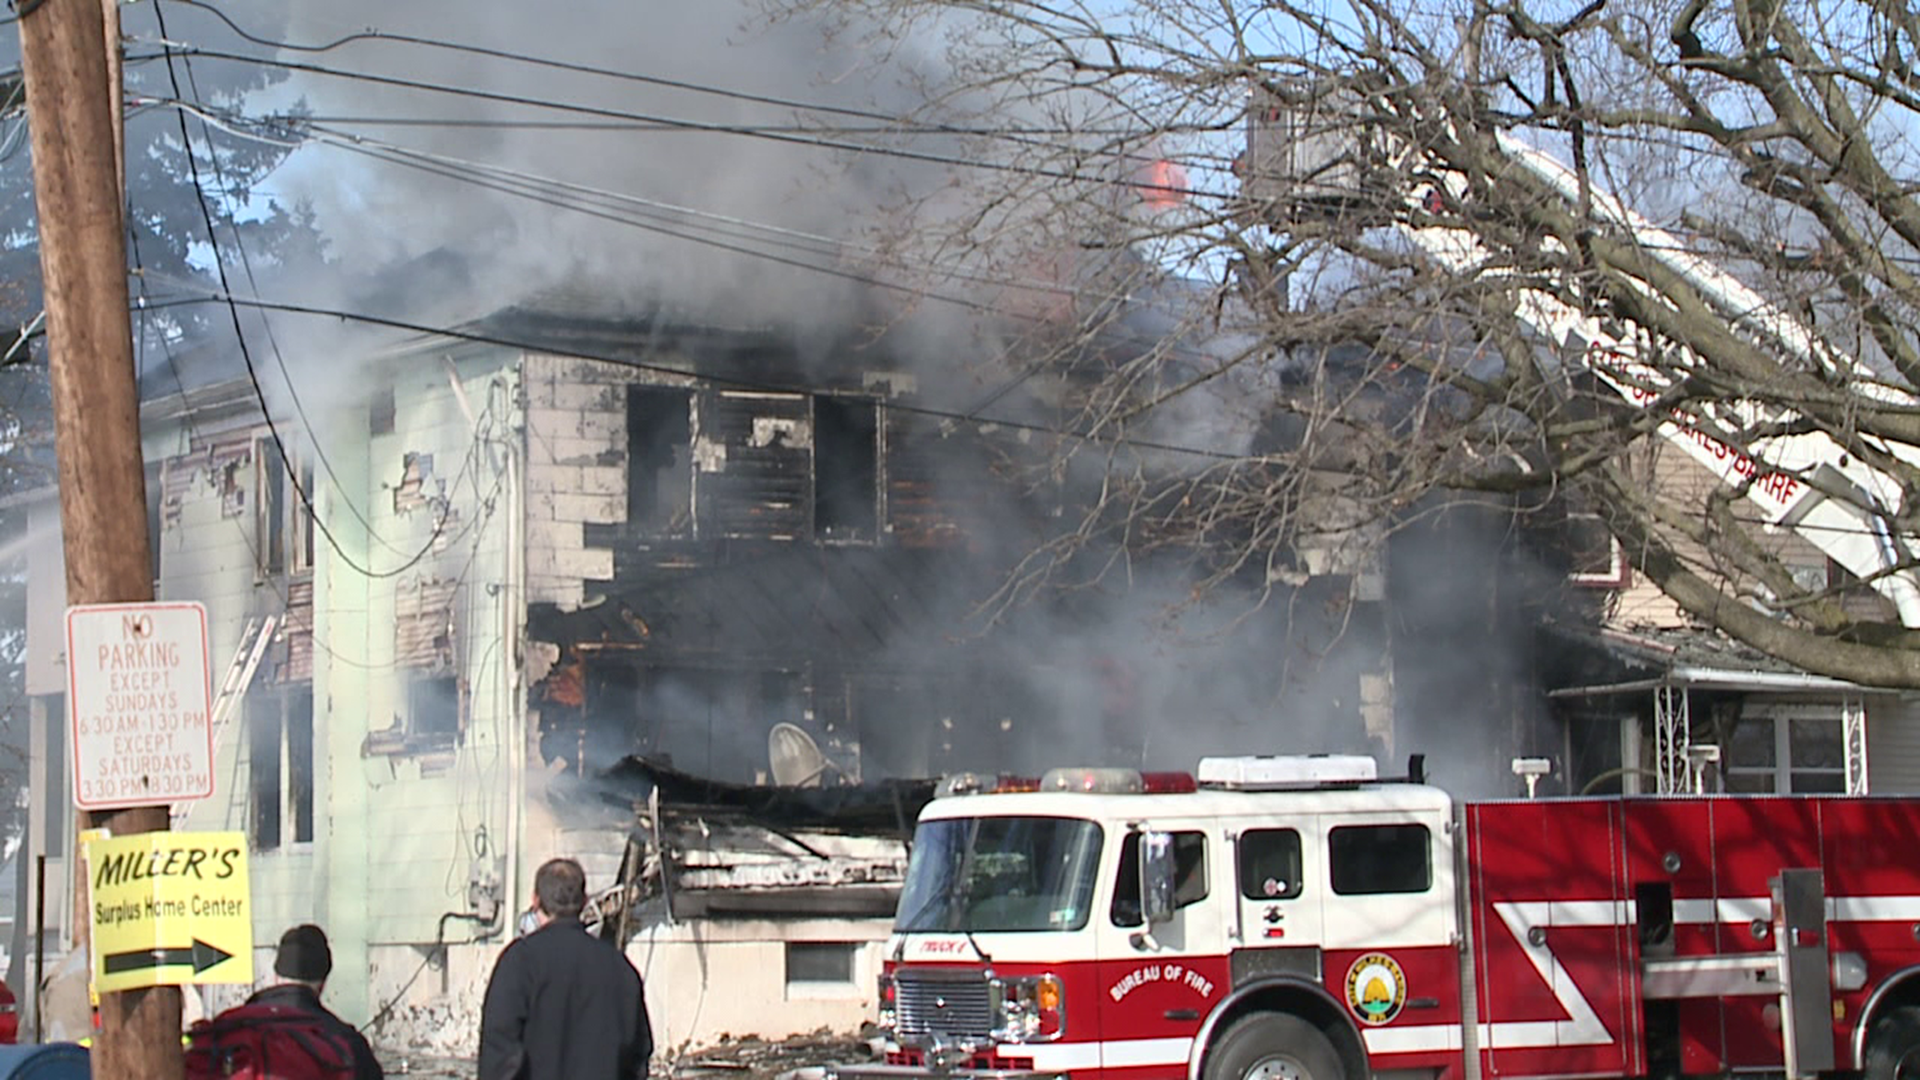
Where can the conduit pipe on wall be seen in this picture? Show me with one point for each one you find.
(512, 661)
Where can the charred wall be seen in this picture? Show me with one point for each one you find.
(710, 560)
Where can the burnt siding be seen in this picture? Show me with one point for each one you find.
(937, 481)
(757, 483)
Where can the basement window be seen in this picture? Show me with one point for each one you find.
(846, 468)
(817, 962)
(659, 461)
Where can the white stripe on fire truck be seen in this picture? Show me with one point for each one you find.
(1746, 909)
(1120, 1053)
(1583, 1026)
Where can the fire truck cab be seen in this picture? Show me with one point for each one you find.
(1301, 919)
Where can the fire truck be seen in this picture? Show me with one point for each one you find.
(1301, 918)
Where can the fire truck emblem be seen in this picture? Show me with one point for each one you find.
(1376, 988)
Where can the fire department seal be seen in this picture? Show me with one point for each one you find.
(1376, 988)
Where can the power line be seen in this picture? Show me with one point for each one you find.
(279, 359)
(503, 124)
(763, 386)
(253, 375)
(685, 125)
(889, 123)
(590, 201)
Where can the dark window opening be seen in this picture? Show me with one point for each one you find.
(303, 522)
(660, 460)
(1189, 876)
(820, 961)
(300, 761)
(380, 412)
(270, 510)
(153, 525)
(433, 711)
(846, 468)
(1270, 866)
(710, 722)
(1365, 860)
(1596, 556)
(263, 770)
(58, 801)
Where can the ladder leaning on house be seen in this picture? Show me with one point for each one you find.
(246, 661)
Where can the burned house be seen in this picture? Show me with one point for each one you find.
(706, 607)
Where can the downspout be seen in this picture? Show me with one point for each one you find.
(513, 662)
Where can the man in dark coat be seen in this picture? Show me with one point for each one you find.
(562, 1004)
(303, 961)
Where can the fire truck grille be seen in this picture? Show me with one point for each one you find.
(945, 1006)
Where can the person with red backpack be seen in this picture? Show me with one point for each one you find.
(283, 1032)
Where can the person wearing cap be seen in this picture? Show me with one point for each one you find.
(302, 963)
(562, 1004)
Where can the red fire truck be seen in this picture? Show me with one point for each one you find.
(1301, 919)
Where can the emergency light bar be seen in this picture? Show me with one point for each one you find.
(1082, 779)
(1279, 772)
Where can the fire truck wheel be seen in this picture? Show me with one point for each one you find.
(1893, 1046)
(1272, 1046)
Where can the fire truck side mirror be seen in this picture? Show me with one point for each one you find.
(1157, 873)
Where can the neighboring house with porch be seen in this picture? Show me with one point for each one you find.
(1655, 702)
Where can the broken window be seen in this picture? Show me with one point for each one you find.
(1597, 558)
(660, 460)
(280, 765)
(755, 456)
(380, 412)
(433, 713)
(283, 532)
(846, 468)
(713, 722)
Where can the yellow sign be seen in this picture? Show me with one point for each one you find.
(170, 908)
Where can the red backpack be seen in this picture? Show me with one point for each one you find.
(267, 1042)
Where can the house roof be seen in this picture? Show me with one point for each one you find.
(1691, 657)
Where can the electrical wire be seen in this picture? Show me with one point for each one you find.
(253, 375)
(293, 393)
(685, 125)
(761, 386)
(888, 123)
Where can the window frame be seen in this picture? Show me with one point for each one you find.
(1782, 771)
(1341, 864)
(1245, 884)
(869, 530)
(282, 707)
(1127, 874)
(282, 526)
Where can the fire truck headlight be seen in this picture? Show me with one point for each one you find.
(1849, 971)
(1029, 1009)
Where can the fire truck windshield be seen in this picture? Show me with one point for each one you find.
(1000, 874)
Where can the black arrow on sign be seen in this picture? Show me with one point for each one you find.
(202, 956)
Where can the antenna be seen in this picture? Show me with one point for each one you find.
(793, 756)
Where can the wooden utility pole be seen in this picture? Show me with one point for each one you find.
(103, 504)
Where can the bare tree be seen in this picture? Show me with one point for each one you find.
(1296, 273)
